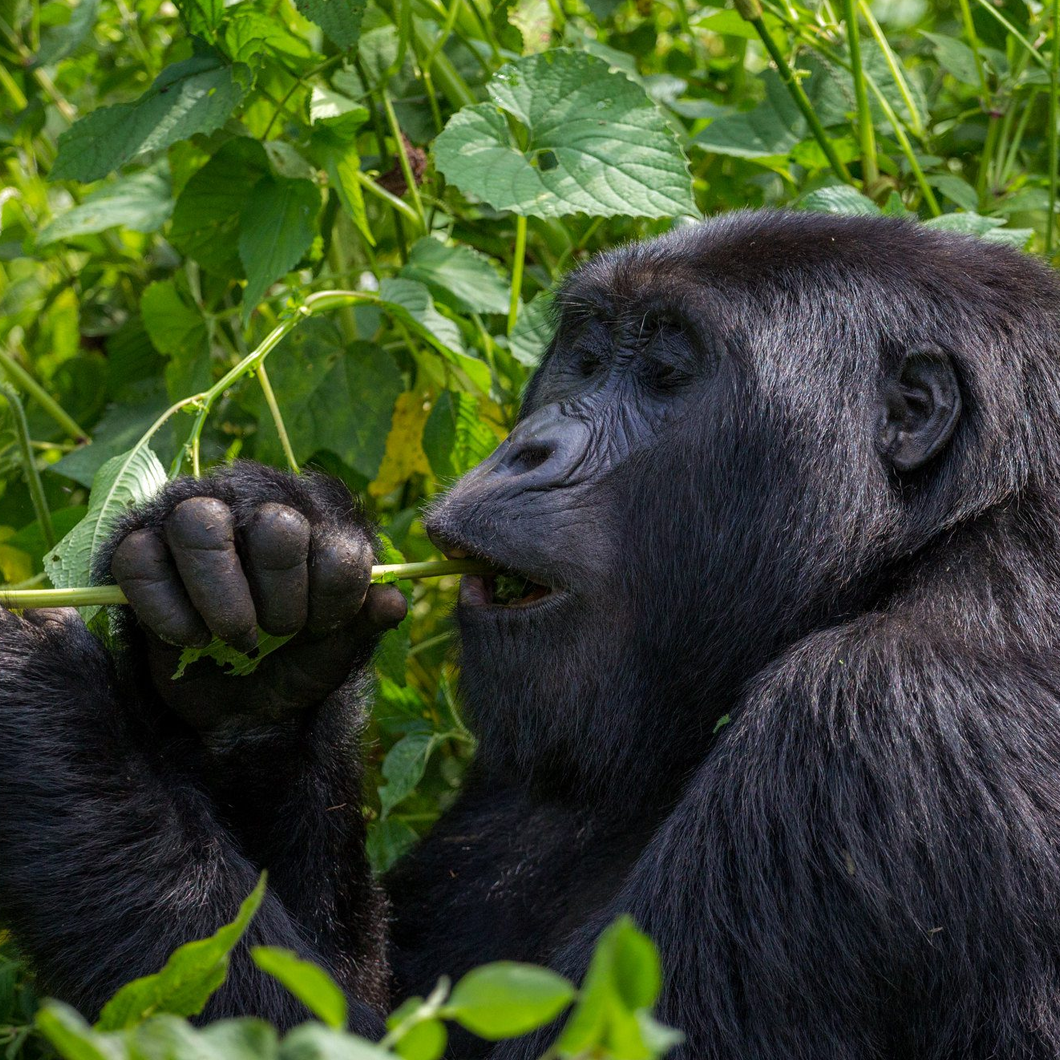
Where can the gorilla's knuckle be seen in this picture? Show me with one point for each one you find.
(205, 523)
(278, 536)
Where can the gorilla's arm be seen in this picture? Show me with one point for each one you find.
(112, 855)
(881, 808)
(135, 811)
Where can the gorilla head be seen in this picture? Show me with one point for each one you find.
(736, 435)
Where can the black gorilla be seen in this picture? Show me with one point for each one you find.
(802, 471)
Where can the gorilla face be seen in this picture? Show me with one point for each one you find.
(704, 467)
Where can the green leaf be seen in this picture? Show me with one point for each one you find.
(169, 1038)
(201, 17)
(506, 999)
(594, 144)
(332, 397)
(73, 1039)
(120, 484)
(193, 96)
(533, 330)
(957, 190)
(954, 57)
(207, 211)
(313, 1041)
(63, 40)
(177, 330)
(841, 199)
(612, 1016)
(403, 768)
(339, 19)
(239, 664)
(387, 841)
(454, 437)
(411, 302)
(276, 228)
(457, 274)
(423, 1041)
(189, 978)
(141, 202)
(309, 983)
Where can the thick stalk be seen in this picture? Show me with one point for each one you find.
(870, 172)
(518, 260)
(107, 595)
(29, 465)
(19, 376)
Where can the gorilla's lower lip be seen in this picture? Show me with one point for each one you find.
(480, 590)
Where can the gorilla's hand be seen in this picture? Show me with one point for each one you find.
(246, 548)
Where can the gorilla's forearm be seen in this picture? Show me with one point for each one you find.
(111, 856)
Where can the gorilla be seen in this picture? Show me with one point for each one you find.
(769, 661)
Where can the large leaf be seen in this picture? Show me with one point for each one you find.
(339, 19)
(206, 216)
(594, 144)
(120, 484)
(193, 96)
(332, 398)
(276, 228)
(189, 978)
(507, 999)
(60, 41)
(141, 202)
(458, 275)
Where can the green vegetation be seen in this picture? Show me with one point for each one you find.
(324, 234)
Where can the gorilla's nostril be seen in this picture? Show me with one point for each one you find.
(531, 456)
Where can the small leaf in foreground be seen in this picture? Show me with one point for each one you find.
(309, 983)
(506, 999)
(188, 979)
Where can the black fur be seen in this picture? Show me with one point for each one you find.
(864, 862)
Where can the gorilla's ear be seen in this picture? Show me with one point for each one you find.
(920, 402)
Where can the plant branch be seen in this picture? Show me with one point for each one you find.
(22, 378)
(29, 465)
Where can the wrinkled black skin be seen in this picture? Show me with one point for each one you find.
(799, 470)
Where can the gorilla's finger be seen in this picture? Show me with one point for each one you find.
(276, 546)
(340, 571)
(144, 568)
(200, 533)
(384, 607)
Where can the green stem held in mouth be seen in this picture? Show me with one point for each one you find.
(102, 595)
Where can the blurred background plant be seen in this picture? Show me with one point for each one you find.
(182, 181)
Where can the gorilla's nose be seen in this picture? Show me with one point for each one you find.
(546, 447)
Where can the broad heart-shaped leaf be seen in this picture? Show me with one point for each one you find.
(339, 19)
(276, 228)
(458, 275)
(121, 483)
(141, 202)
(332, 398)
(455, 438)
(189, 978)
(595, 144)
(206, 215)
(308, 982)
(613, 1014)
(193, 96)
(506, 999)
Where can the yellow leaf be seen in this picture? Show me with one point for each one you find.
(404, 456)
(15, 565)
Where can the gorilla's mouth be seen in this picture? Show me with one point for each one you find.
(503, 588)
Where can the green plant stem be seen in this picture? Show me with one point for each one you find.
(1054, 149)
(19, 376)
(894, 65)
(973, 41)
(106, 595)
(29, 465)
(518, 260)
(398, 205)
(870, 171)
(403, 159)
(277, 417)
(801, 100)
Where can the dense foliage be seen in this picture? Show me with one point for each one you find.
(379, 197)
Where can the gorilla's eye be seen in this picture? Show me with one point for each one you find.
(589, 362)
(664, 375)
